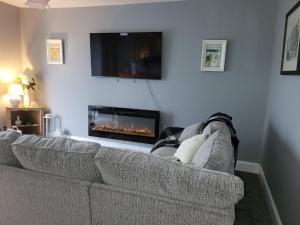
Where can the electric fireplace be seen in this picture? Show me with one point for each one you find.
(124, 124)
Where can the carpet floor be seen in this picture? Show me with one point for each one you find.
(253, 209)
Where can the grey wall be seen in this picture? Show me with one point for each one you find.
(185, 94)
(10, 47)
(281, 161)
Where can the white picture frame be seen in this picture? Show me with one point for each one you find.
(55, 53)
(213, 55)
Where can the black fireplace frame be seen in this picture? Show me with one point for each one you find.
(125, 112)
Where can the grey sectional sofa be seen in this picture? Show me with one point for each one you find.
(132, 188)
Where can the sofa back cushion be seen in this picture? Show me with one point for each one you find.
(156, 175)
(6, 155)
(190, 131)
(217, 152)
(213, 127)
(202, 155)
(58, 156)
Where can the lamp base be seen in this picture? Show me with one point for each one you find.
(15, 102)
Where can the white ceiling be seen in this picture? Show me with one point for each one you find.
(86, 3)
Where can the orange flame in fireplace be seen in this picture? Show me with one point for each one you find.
(116, 128)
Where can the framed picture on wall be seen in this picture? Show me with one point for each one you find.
(213, 55)
(55, 51)
(290, 64)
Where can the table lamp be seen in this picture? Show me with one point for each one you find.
(15, 92)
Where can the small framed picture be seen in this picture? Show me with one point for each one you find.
(213, 55)
(55, 51)
(290, 64)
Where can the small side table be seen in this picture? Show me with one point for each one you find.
(32, 120)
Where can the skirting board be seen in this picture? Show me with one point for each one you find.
(248, 167)
(256, 168)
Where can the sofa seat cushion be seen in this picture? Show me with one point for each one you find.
(156, 175)
(58, 156)
(6, 155)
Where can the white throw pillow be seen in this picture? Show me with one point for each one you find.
(189, 147)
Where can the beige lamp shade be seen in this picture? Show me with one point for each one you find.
(15, 90)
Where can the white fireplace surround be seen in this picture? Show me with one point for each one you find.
(141, 147)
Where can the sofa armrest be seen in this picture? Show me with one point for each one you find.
(220, 189)
(6, 155)
(163, 177)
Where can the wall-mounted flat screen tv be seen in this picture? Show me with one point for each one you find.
(127, 55)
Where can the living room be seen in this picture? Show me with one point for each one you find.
(250, 87)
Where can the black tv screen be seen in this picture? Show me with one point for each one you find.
(128, 55)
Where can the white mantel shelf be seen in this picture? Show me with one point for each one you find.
(111, 143)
